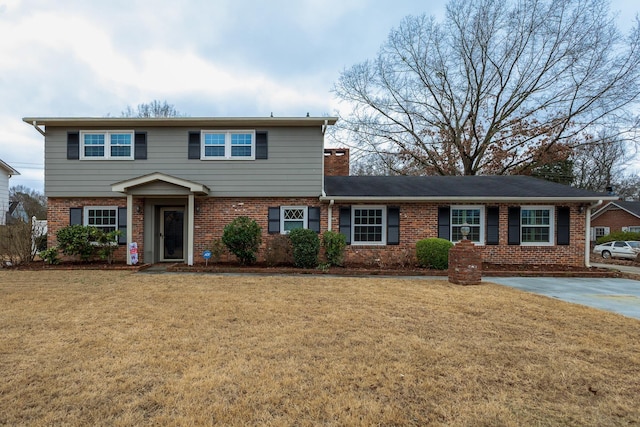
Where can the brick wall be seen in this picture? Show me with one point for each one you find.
(615, 218)
(417, 221)
(336, 162)
(420, 221)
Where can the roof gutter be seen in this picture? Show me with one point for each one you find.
(326, 198)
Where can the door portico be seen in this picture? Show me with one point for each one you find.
(168, 202)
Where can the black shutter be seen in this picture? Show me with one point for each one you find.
(514, 226)
(493, 225)
(194, 145)
(274, 220)
(563, 226)
(262, 146)
(345, 222)
(393, 226)
(122, 226)
(444, 223)
(73, 145)
(75, 216)
(313, 221)
(140, 149)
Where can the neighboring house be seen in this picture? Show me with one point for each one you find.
(171, 185)
(618, 215)
(6, 172)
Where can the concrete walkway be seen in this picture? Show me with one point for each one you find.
(620, 296)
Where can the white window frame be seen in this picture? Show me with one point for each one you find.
(383, 242)
(85, 216)
(305, 219)
(632, 229)
(481, 225)
(107, 144)
(227, 144)
(551, 225)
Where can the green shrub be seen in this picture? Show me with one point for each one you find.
(242, 238)
(76, 240)
(433, 253)
(334, 246)
(106, 244)
(618, 235)
(50, 256)
(279, 250)
(306, 247)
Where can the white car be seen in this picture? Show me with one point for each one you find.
(618, 249)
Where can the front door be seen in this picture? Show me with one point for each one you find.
(172, 234)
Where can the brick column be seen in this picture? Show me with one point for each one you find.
(465, 264)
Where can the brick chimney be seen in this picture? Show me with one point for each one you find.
(336, 162)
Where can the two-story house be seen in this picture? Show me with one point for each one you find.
(171, 185)
(6, 172)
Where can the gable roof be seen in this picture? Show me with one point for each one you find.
(457, 188)
(631, 207)
(9, 169)
(125, 186)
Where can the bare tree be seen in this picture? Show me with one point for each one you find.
(153, 109)
(600, 162)
(498, 87)
(32, 201)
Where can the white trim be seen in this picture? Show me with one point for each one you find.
(228, 147)
(305, 219)
(85, 215)
(124, 186)
(107, 144)
(551, 225)
(383, 242)
(482, 240)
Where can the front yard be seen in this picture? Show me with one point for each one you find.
(124, 348)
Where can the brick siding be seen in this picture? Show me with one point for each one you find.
(615, 219)
(417, 221)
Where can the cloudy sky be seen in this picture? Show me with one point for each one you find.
(89, 58)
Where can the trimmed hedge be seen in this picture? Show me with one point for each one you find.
(618, 235)
(242, 237)
(306, 247)
(334, 246)
(433, 253)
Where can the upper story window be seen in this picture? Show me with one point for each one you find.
(473, 216)
(536, 224)
(106, 145)
(228, 145)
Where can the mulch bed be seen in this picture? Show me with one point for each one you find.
(488, 270)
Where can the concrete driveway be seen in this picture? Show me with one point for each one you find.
(617, 295)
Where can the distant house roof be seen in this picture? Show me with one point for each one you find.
(9, 169)
(457, 188)
(631, 207)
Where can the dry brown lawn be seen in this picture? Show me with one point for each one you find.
(122, 348)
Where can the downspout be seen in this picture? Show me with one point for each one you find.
(330, 214)
(587, 234)
(35, 125)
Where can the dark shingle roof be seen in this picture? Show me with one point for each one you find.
(453, 187)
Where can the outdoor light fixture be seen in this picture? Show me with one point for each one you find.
(465, 229)
(137, 208)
